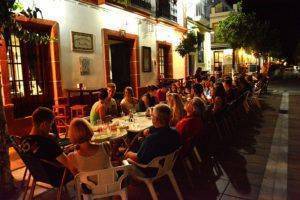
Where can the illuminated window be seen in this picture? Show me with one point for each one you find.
(161, 61)
(15, 67)
(218, 60)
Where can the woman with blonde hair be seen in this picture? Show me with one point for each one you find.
(87, 156)
(178, 112)
(128, 103)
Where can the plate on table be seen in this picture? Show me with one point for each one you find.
(100, 137)
(140, 114)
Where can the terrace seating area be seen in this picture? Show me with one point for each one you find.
(197, 162)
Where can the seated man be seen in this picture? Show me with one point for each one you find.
(41, 143)
(152, 90)
(231, 91)
(197, 91)
(149, 99)
(112, 104)
(161, 140)
(144, 103)
(99, 111)
(161, 93)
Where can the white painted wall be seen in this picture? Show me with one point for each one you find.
(206, 65)
(74, 16)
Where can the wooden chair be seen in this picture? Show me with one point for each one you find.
(78, 111)
(62, 126)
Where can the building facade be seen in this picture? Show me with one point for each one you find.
(221, 52)
(222, 55)
(95, 42)
(198, 22)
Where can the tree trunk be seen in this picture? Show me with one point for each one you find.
(6, 178)
(233, 60)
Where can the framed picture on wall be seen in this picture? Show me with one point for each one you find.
(146, 59)
(82, 42)
(85, 63)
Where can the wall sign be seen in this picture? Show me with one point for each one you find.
(82, 42)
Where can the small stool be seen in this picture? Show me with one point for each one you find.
(61, 125)
(78, 111)
(60, 110)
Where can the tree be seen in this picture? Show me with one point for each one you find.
(245, 30)
(9, 10)
(188, 44)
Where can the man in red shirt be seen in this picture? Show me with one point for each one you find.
(161, 93)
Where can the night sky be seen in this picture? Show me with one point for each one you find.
(283, 15)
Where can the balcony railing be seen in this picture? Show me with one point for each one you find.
(222, 7)
(144, 4)
(166, 9)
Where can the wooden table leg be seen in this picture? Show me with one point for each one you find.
(69, 98)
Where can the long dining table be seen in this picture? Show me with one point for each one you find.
(120, 127)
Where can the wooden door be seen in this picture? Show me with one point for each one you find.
(29, 75)
(164, 67)
(120, 65)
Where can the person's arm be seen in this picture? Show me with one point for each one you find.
(102, 112)
(62, 158)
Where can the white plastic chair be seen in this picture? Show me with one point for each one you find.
(107, 183)
(164, 166)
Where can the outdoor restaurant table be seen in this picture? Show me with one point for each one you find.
(140, 122)
(81, 91)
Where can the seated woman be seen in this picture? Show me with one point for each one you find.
(176, 105)
(218, 97)
(100, 109)
(128, 103)
(191, 126)
(88, 156)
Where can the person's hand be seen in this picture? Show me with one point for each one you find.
(128, 154)
(146, 132)
(131, 155)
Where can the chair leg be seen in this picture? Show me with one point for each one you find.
(24, 177)
(27, 186)
(197, 155)
(62, 183)
(175, 186)
(187, 172)
(123, 194)
(151, 190)
(32, 189)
